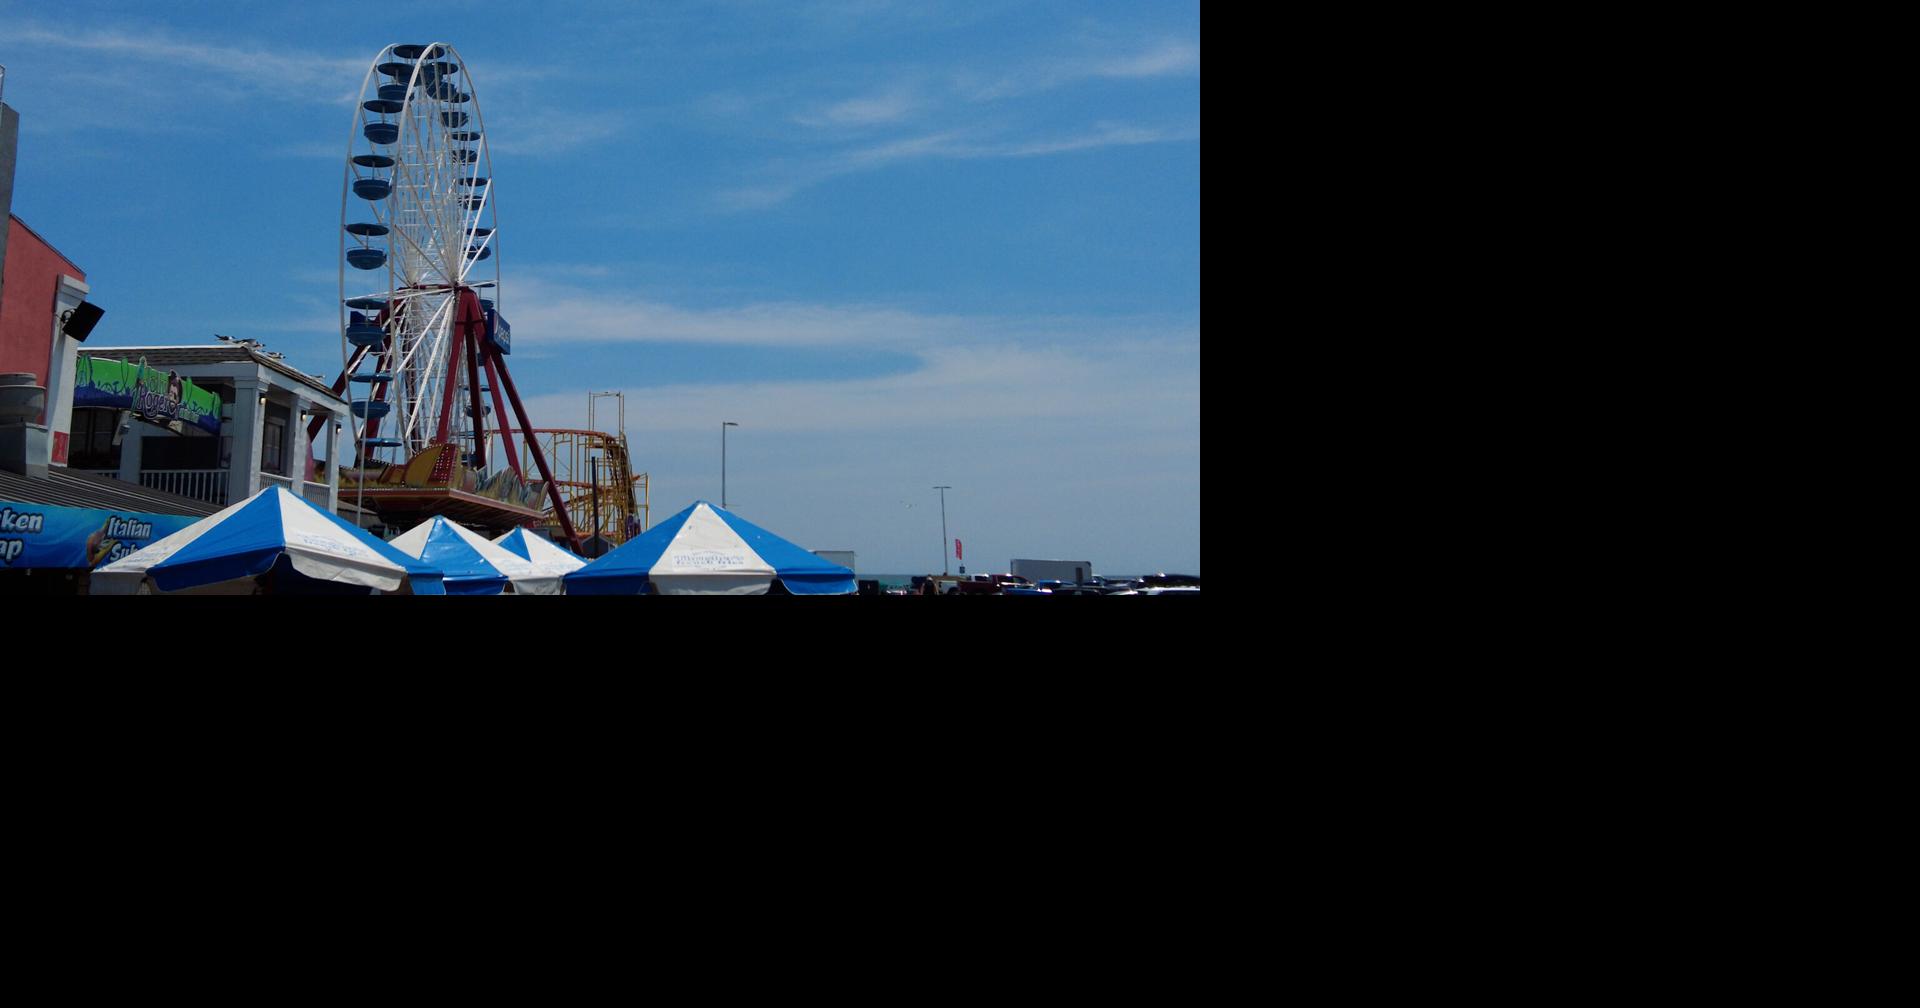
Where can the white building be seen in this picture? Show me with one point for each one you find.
(266, 409)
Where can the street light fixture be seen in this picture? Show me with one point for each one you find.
(724, 424)
(943, 528)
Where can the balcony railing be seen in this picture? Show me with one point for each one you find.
(314, 493)
(208, 485)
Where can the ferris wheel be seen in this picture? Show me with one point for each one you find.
(421, 333)
(419, 270)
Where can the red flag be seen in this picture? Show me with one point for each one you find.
(956, 550)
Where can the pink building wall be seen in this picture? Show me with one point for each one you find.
(27, 294)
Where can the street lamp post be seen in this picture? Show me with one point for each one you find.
(724, 424)
(943, 528)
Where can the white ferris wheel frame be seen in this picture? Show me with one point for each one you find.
(428, 257)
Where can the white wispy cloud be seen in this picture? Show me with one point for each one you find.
(151, 72)
(552, 133)
(1035, 367)
(871, 110)
(952, 145)
(1002, 385)
(1164, 58)
(294, 75)
(1100, 135)
(948, 113)
(904, 149)
(604, 315)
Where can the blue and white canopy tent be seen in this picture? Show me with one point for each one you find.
(473, 564)
(705, 550)
(545, 557)
(273, 540)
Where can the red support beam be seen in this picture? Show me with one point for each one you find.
(455, 356)
(473, 395)
(500, 411)
(533, 448)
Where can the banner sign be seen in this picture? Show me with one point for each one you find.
(47, 535)
(956, 549)
(498, 331)
(158, 397)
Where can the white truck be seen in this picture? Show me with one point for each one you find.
(1036, 571)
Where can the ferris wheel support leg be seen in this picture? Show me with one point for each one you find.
(500, 411)
(473, 403)
(533, 448)
(454, 357)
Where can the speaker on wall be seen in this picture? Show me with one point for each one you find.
(79, 322)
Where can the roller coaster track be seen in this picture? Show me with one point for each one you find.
(593, 472)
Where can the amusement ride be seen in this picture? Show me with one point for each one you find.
(424, 345)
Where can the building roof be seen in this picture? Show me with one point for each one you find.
(176, 356)
(65, 487)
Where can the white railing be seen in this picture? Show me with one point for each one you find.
(208, 485)
(314, 493)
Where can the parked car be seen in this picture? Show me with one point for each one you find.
(974, 588)
(953, 584)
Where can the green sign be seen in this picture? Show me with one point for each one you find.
(156, 396)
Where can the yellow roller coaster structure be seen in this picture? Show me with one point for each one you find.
(594, 474)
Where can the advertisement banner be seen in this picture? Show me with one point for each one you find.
(47, 535)
(156, 396)
(499, 333)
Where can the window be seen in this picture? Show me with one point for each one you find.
(90, 443)
(273, 445)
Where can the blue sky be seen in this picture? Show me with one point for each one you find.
(901, 244)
